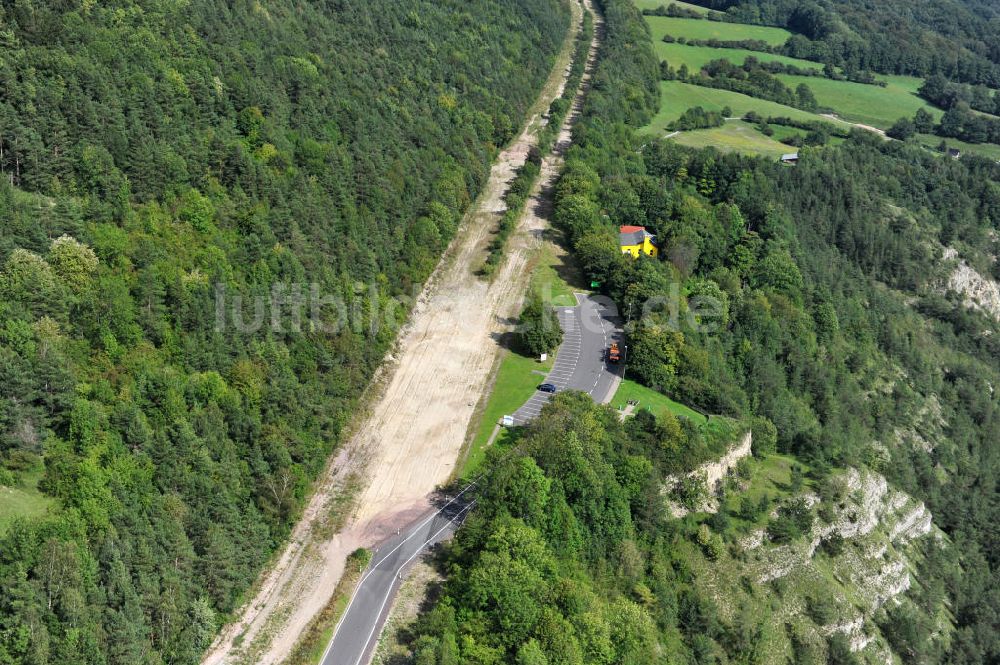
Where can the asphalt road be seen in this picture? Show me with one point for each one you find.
(588, 330)
(358, 631)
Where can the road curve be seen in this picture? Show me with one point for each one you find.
(588, 330)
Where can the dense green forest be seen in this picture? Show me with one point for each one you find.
(829, 330)
(551, 567)
(155, 156)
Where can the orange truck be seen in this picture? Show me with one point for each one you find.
(614, 355)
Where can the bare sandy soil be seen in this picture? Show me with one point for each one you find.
(414, 428)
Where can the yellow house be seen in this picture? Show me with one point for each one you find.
(637, 240)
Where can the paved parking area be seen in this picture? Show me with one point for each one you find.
(588, 330)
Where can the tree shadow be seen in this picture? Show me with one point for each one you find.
(504, 339)
(544, 207)
(564, 266)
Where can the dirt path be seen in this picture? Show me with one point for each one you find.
(868, 128)
(413, 432)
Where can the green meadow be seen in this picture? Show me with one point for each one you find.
(648, 398)
(655, 4)
(851, 102)
(866, 104)
(907, 83)
(516, 381)
(856, 102)
(736, 136)
(556, 279)
(990, 150)
(696, 57)
(782, 132)
(677, 97)
(23, 499)
(693, 28)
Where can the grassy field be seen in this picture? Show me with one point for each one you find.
(772, 476)
(782, 132)
(652, 400)
(693, 28)
(516, 381)
(556, 279)
(856, 102)
(736, 136)
(676, 97)
(22, 500)
(853, 102)
(908, 83)
(985, 149)
(655, 4)
(718, 432)
(867, 104)
(696, 57)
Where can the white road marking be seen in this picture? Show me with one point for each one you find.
(388, 593)
(576, 323)
(374, 565)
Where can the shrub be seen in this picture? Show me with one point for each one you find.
(7, 478)
(710, 543)
(794, 519)
(834, 545)
(719, 521)
(697, 117)
(822, 609)
(902, 129)
(538, 329)
(690, 491)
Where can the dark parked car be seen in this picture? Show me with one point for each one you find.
(547, 388)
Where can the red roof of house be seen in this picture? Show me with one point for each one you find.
(630, 229)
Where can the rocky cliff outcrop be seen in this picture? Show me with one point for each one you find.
(712, 474)
(981, 293)
(872, 526)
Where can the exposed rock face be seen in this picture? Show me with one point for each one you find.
(853, 629)
(713, 473)
(981, 293)
(876, 523)
(871, 504)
